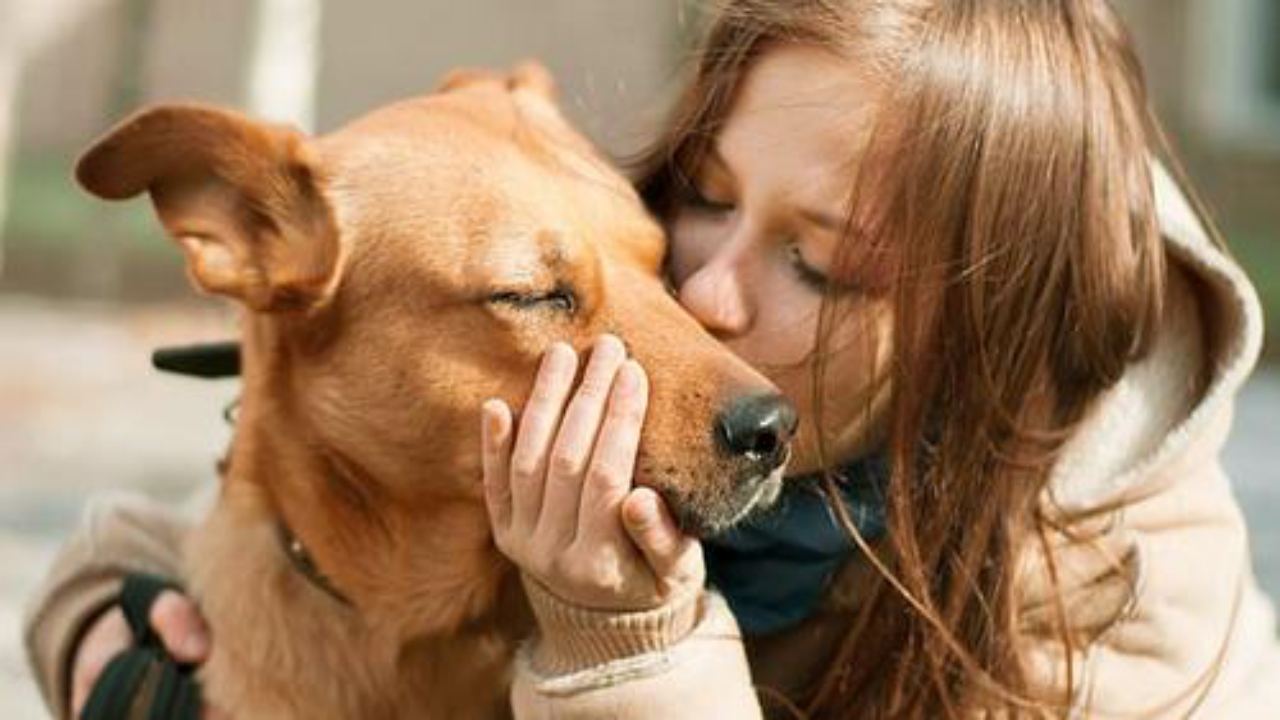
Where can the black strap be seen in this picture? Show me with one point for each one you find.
(144, 681)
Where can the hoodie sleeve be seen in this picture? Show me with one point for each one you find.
(684, 659)
(118, 535)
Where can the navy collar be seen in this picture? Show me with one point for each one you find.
(775, 568)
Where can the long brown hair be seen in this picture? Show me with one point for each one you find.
(1007, 185)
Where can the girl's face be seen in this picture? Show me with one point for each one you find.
(752, 248)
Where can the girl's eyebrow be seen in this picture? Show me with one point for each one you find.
(715, 162)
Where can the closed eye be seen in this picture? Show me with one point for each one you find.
(561, 299)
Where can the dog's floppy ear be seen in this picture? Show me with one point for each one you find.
(529, 75)
(534, 76)
(241, 197)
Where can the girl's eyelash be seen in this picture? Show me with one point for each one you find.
(807, 274)
(698, 201)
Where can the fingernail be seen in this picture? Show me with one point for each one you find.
(608, 340)
(645, 512)
(630, 376)
(560, 355)
(492, 411)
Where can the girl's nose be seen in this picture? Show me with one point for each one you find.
(716, 296)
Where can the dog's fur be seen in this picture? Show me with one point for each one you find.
(395, 274)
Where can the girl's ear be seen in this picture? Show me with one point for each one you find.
(241, 198)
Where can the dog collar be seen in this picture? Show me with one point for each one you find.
(301, 561)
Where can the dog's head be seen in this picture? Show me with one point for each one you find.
(405, 268)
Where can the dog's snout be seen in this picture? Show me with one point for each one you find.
(757, 428)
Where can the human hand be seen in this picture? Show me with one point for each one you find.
(560, 495)
(174, 617)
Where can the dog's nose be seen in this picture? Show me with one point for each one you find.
(757, 428)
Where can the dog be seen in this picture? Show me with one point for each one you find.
(395, 274)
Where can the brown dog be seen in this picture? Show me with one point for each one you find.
(396, 274)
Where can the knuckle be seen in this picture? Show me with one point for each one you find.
(599, 504)
(603, 472)
(594, 386)
(546, 393)
(524, 469)
(566, 464)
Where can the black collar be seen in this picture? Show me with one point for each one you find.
(301, 561)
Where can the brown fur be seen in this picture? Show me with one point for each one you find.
(368, 261)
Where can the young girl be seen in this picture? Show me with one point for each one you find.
(942, 228)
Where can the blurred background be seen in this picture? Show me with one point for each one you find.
(86, 290)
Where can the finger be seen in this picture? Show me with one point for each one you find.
(107, 637)
(495, 443)
(613, 460)
(572, 450)
(178, 622)
(650, 526)
(538, 423)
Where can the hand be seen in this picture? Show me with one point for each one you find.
(175, 619)
(560, 496)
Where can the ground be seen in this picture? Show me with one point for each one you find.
(82, 413)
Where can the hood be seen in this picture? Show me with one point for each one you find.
(1208, 343)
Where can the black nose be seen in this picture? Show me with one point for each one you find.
(757, 428)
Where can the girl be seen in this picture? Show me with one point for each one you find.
(942, 229)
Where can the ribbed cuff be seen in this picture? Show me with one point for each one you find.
(54, 635)
(119, 534)
(572, 638)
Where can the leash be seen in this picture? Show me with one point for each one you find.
(144, 681)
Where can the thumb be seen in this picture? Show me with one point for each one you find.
(673, 556)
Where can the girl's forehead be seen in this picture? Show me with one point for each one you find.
(801, 112)
(803, 73)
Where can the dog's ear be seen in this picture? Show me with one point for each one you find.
(529, 75)
(535, 77)
(242, 198)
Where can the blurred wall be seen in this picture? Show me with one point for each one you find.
(612, 59)
(100, 59)
(1212, 67)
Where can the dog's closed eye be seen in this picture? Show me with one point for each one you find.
(561, 299)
